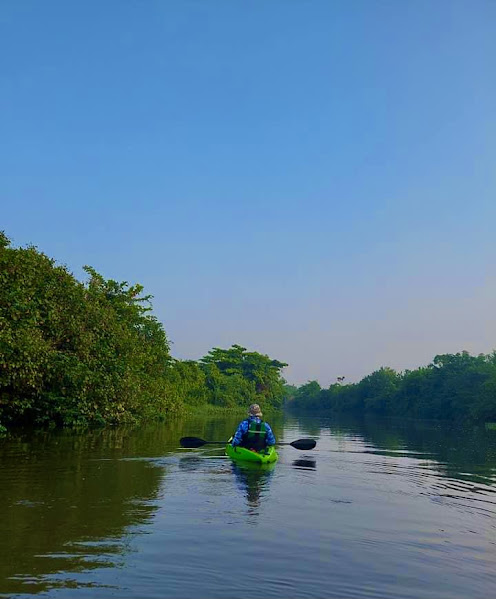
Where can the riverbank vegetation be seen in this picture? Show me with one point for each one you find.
(75, 353)
(458, 387)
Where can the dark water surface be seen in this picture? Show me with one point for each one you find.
(377, 510)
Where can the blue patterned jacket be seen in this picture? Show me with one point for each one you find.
(243, 429)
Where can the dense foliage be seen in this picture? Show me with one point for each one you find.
(228, 378)
(454, 387)
(74, 353)
(257, 375)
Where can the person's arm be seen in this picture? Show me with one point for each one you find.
(238, 435)
(271, 440)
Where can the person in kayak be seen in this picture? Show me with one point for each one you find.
(253, 433)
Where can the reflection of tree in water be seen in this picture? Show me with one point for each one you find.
(253, 479)
(308, 426)
(66, 510)
(464, 452)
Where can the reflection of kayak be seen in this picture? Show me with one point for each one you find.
(252, 468)
(243, 454)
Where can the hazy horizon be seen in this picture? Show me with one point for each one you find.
(314, 181)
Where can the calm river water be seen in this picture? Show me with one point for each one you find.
(378, 509)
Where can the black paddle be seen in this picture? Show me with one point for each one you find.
(194, 442)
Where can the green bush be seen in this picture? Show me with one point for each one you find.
(74, 353)
(453, 387)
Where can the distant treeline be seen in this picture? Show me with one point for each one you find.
(453, 387)
(77, 353)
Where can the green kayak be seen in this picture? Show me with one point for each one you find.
(243, 454)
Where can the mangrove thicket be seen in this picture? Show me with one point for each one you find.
(74, 353)
(458, 387)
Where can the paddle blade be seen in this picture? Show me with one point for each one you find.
(191, 442)
(304, 444)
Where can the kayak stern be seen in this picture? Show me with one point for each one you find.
(243, 454)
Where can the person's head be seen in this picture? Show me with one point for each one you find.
(255, 410)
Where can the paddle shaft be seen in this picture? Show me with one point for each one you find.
(195, 442)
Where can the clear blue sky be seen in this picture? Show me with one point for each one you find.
(314, 180)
